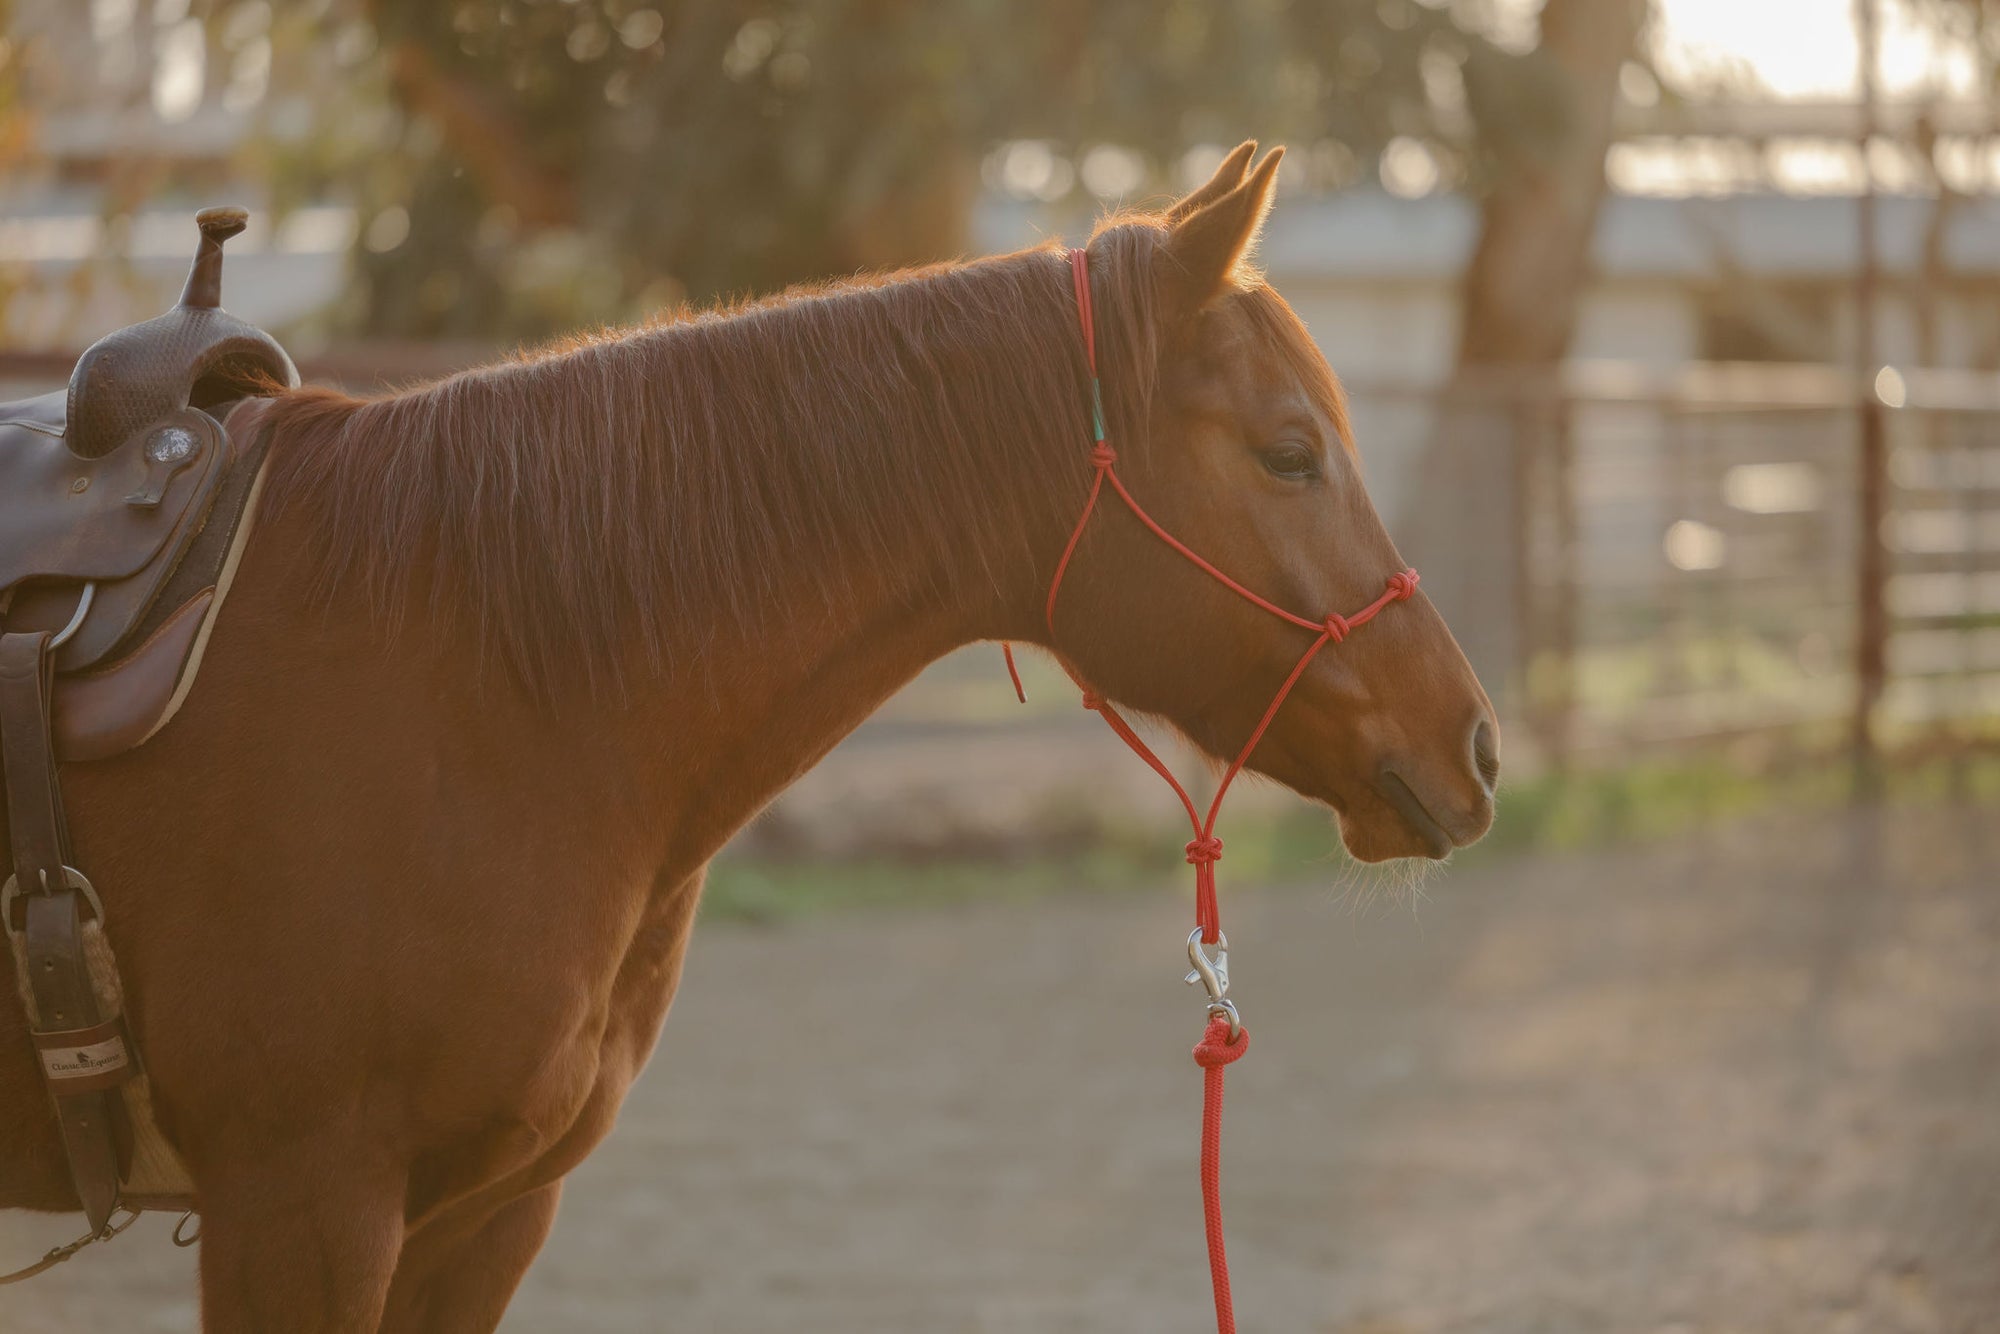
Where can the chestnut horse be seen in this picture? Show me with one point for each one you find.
(402, 894)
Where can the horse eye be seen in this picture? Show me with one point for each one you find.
(1292, 460)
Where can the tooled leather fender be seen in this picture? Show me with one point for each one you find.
(121, 523)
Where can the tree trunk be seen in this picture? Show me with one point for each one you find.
(1533, 256)
(1518, 309)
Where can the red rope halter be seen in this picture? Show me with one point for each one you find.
(1225, 1039)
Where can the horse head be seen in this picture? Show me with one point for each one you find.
(1235, 439)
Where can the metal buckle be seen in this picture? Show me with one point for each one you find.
(1212, 971)
(184, 1238)
(72, 879)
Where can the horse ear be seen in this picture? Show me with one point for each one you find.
(1227, 177)
(1205, 250)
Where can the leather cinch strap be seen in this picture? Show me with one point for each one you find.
(83, 1058)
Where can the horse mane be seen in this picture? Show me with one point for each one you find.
(641, 489)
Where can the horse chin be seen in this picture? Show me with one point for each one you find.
(1385, 836)
(1380, 817)
(1372, 828)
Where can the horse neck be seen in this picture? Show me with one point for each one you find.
(982, 505)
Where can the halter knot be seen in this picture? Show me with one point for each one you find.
(1204, 851)
(1102, 455)
(1093, 701)
(1337, 627)
(1403, 584)
(1215, 1049)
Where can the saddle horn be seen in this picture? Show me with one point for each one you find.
(197, 354)
(204, 283)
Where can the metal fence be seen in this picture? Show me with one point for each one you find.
(1675, 559)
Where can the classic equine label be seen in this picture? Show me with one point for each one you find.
(79, 1062)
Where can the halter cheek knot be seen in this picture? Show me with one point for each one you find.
(1336, 627)
(1092, 700)
(1403, 585)
(1204, 851)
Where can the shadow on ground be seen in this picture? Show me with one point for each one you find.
(1745, 1082)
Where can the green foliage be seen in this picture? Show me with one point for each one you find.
(524, 166)
(1549, 814)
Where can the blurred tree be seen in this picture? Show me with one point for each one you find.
(1520, 293)
(525, 165)
(1536, 223)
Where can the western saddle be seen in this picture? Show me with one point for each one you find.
(125, 502)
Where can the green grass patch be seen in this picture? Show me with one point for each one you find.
(1546, 814)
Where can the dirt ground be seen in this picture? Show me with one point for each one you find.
(1738, 1083)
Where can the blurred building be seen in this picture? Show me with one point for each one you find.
(1751, 277)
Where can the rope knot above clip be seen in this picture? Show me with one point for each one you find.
(1215, 1049)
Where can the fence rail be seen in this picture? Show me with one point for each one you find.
(1680, 549)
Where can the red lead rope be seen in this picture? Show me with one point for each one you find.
(1225, 1039)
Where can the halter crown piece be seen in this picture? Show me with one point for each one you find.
(1208, 949)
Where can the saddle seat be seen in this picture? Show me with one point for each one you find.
(126, 499)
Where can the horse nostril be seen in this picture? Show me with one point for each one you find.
(1486, 753)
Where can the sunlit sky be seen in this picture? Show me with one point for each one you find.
(1804, 48)
(1801, 51)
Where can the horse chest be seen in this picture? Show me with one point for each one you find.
(574, 1072)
